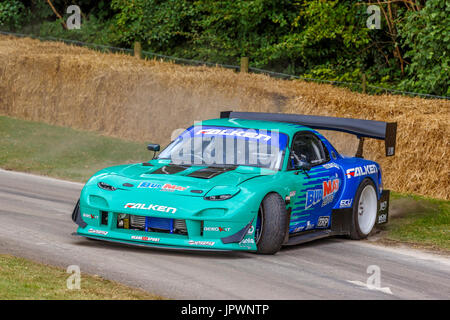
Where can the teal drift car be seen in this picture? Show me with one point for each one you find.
(246, 181)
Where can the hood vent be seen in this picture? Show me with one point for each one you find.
(210, 172)
(170, 169)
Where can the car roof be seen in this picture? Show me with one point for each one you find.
(284, 127)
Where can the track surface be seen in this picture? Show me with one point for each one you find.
(35, 223)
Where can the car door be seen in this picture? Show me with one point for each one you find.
(316, 187)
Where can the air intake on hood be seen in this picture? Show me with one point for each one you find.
(210, 172)
(170, 169)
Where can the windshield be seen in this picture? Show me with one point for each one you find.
(224, 146)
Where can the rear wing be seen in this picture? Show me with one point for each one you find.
(381, 130)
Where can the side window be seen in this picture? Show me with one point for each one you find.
(309, 148)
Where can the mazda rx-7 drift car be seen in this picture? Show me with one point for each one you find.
(247, 181)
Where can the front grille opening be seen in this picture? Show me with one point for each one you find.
(104, 215)
(151, 224)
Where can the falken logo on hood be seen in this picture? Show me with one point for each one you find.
(235, 132)
(154, 207)
(163, 187)
(361, 171)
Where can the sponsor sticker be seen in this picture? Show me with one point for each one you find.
(162, 187)
(329, 188)
(143, 238)
(330, 165)
(103, 233)
(361, 171)
(247, 241)
(298, 229)
(309, 225)
(218, 229)
(322, 222)
(382, 218)
(89, 216)
(235, 132)
(153, 207)
(201, 243)
(346, 203)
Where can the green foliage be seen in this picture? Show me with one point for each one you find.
(318, 39)
(12, 14)
(427, 34)
(92, 31)
(159, 25)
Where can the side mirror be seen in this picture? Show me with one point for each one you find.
(305, 166)
(153, 147)
(300, 162)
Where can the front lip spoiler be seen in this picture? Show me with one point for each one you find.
(156, 246)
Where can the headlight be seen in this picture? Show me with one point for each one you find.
(105, 186)
(221, 193)
(220, 197)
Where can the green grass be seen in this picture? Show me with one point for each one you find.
(419, 221)
(24, 279)
(62, 152)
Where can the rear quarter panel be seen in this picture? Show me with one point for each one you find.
(354, 171)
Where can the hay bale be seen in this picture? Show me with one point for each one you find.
(145, 100)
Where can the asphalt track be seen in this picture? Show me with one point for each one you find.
(35, 223)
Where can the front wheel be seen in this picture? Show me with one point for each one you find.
(365, 207)
(270, 224)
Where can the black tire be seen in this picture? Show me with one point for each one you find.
(355, 232)
(273, 224)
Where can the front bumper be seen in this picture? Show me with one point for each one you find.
(162, 240)
(203, 232)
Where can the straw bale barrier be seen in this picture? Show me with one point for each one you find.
(146, 100)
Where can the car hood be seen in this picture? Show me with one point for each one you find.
(160, 175)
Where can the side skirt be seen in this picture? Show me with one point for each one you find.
(341, 220)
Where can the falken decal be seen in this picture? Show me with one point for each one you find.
(361, 171)
(154, 207)
(235, 132)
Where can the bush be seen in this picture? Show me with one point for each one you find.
(427, 34)
(13, 14)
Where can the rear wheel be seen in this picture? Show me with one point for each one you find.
(365, 209)
(270, 224)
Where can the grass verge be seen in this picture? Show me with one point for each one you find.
(418, 221)
(62, 152)
(75, 155)
(24, 279)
